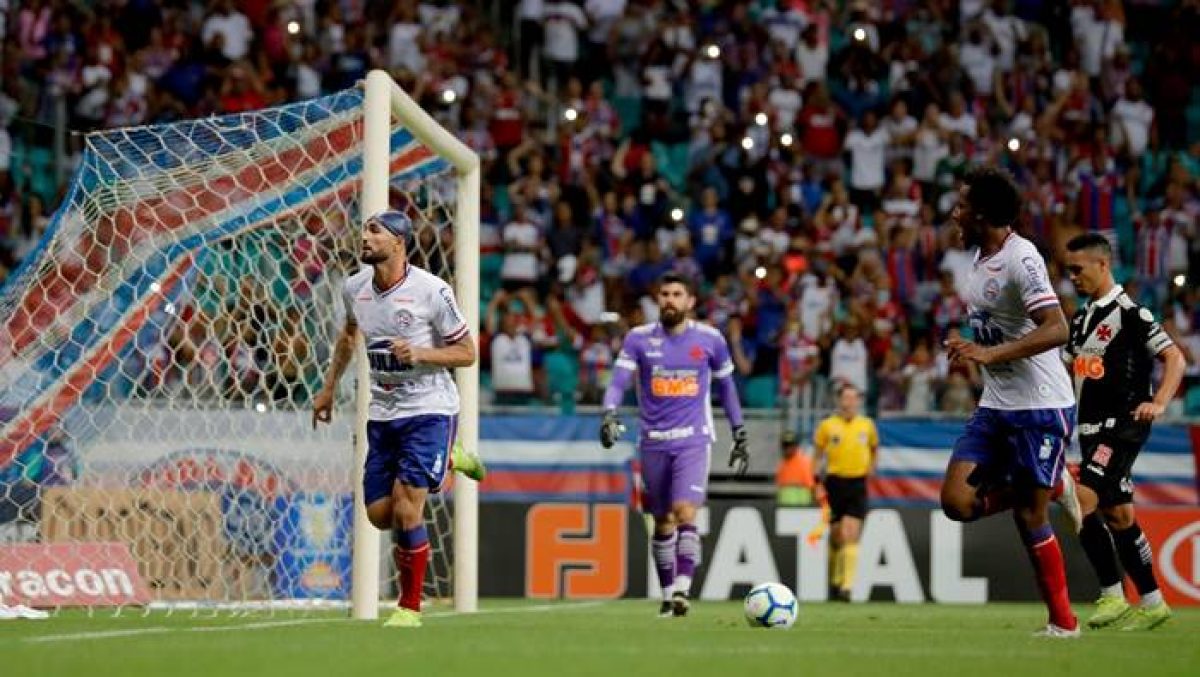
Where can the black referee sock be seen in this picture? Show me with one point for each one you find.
(1136, 557)
(1098, 545)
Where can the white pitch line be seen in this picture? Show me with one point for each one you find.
(133, 632)
(261, 625)
(103, 634)
(540, 608)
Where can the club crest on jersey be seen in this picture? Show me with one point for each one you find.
(405, 318)
(991, 289)
(1104, 333)
(1102, 456)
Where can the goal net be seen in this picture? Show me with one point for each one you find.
(160, 348)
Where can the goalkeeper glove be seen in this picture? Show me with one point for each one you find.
(610, 429)
(739, 455)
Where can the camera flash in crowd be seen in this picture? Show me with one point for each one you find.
(760, 272)
(747, 142)
(448, 95)
(677, 214)
(860, 34)
(1014, 144)
(785, 140)
(713, 52)
(293, 27)
(760, 119)
(570, 114)
(1179, 280)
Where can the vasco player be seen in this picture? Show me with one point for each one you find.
(1114, 343)
(415, 333)
(1018, 435)
(675, 361)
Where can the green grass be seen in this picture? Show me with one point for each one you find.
(614, 639)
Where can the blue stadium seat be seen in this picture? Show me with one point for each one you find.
(1191, 403)
(762, 392)
(562, 376)
(629, 109)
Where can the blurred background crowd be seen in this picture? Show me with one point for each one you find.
(797, 158)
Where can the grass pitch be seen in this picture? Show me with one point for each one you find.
(614, 639)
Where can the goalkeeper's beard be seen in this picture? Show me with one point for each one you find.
(670, 317)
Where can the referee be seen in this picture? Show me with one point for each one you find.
(845, 447)
(1114, 343)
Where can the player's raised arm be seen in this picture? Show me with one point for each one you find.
(343, 350)
(623, 370)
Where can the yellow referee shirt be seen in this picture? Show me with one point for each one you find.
(848, 444)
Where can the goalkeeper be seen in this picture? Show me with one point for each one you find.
(415, 332)
(676, 360)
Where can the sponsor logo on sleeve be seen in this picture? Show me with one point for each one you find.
(1037, 276)
(448, 299)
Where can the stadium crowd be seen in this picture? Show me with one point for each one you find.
(798, 159)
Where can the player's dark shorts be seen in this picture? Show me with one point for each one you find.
(1108, 457)
(1025, 444)
(847, 497)
(414, 451)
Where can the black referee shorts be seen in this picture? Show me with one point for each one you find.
(1108, 457)
(847, 496)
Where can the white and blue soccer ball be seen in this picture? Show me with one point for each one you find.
(771, 605)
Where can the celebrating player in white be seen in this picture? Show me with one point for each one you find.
(1018, 436)
(414, 332)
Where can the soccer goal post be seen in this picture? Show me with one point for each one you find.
(161, 345)
(385, 101)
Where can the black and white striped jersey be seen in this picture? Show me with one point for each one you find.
(1113, 346)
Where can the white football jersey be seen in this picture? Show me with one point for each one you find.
(1002, 290)
(420, 309)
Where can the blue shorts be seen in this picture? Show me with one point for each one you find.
(1028, 444)
(414, 451)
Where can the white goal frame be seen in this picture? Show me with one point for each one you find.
(384, 102)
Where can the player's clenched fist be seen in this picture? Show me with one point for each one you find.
(322, 407)
(739, 454)
(610, 429)
(405, 352)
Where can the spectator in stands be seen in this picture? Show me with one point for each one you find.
(522, 250)
(511, 355)
(849, 361)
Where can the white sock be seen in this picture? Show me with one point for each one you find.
(1115, 590)
(1151, 599)
(683, 584)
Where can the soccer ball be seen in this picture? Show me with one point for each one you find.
(770, 605)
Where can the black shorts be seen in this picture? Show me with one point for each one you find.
(1108, 457)
(847, 496)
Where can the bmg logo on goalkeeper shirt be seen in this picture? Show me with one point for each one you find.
(674, 382)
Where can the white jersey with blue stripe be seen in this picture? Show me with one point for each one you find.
(1002, 291)
(420, 309)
